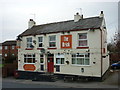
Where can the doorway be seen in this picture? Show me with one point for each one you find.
(50, 63)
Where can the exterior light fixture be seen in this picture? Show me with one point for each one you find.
(82, 70)
(67, 62)
(34, 41)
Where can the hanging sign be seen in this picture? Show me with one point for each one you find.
(66, 41)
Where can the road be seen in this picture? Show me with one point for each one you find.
(110, 82)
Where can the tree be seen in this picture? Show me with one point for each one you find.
(114, 48)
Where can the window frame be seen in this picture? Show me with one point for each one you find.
(0, 47)
(84, 59)
(29, 43)
(6, 47)
(40, 42)
(83, 40)
(42, 64)
(13, 47)
(52, 41)
(27, 57)
(43, 59)
(60, 56)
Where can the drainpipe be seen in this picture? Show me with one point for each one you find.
(101, 54)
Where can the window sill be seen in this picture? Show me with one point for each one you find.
(29, 49)
(39, 48)
(80, 65)
(29, 63)
(52, 48)
(60, 64)
(82, 47)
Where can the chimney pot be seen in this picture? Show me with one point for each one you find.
(101, 14)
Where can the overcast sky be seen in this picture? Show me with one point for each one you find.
(14, 14)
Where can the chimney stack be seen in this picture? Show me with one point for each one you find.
(101, 14)
(77, 17)
(31, 23)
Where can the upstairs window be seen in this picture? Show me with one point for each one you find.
(29, 42)
(0, 47)
(82, 40)
(40, 41)
(29, 58)
(13, 47)
(52, 41)
(6, 47)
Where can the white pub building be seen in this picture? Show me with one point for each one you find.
(75, 47)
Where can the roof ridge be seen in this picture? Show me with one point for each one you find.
(68, 25)
(65, 21)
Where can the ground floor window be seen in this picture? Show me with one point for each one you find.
(80, 59)
(42, 67)
(29, 58)
(41, 62)
(60, 59)
(41, 58)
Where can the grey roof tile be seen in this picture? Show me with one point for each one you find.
(85, 23)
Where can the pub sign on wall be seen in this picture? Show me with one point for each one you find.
(66, 41)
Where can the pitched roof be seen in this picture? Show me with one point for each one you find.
(64, 26)
(11, 42)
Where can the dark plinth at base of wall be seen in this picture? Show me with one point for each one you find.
(42, 76)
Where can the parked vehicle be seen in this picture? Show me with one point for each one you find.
(116, 65)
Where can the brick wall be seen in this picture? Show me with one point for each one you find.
(6, 53)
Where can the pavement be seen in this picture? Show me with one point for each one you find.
(110, 82)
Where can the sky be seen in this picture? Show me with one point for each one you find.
(15, 14)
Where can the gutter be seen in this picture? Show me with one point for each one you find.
(101, 54)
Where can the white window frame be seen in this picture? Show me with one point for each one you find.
(6, 55)
(60, 56)
(83, 64)
(52, 41)
(6, 47)
(29, 42)
(13, 47)
(40, 42)
(0, 47)
(43, 59)
(83, 40)
(33, 59)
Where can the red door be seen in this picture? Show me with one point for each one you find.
(50, 63)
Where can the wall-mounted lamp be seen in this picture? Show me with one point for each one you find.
(94, 62)
(19, 39)
(82, 70)
(34, 41)
(67, 62)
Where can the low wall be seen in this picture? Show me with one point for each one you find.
(8, 69)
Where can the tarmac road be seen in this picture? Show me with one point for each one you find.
(110, 82)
